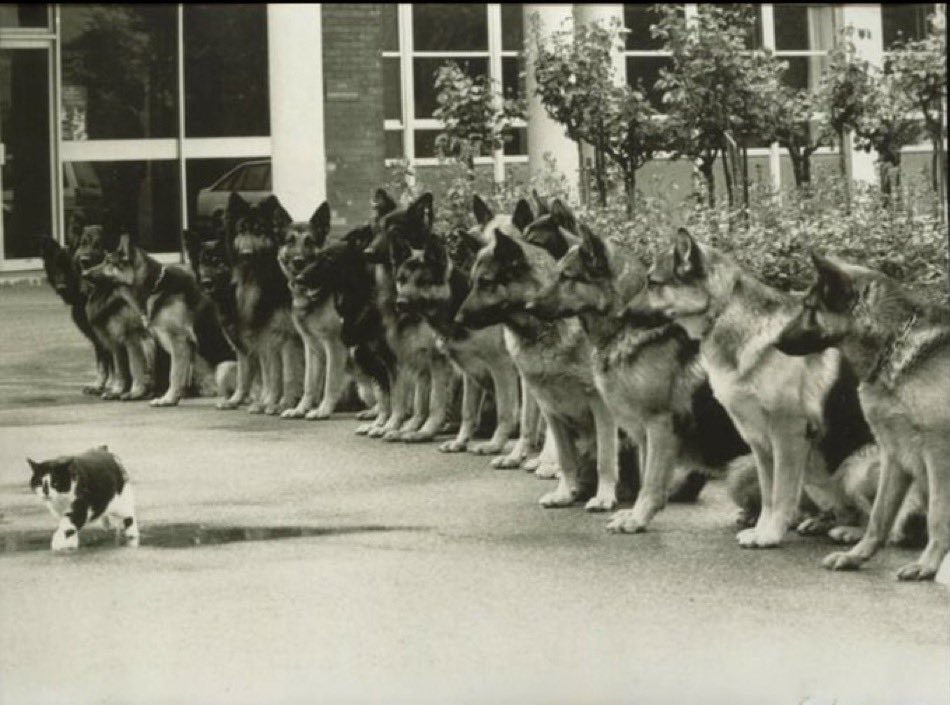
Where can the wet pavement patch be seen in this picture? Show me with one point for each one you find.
(185, 535)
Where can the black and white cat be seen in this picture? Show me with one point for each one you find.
(79, 489)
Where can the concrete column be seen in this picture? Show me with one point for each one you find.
(868, 41)
(544, 135)
(298, 157)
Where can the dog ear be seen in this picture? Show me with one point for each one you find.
(507, 250)
(191, 242)
(563, 215)
(834, 285)
(237, 208)
(594, 252)
(481, 210)
(435, 253)
(543, 208)
(687, 259)
(522, 217)
(320, 222)
(420, 212)
(383, 203)
(359, 238)
(275, 214)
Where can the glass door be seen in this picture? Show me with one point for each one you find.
(25, 148)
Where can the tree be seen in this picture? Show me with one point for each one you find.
(474, 116)
(921, 68)
(578, 88)
(789, 119)
(713, 91)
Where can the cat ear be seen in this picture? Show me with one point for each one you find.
(34, 466)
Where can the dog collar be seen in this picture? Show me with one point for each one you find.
(158, 282)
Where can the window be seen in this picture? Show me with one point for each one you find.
(644, 54)
(904, 22)
(24, 15)
(803, 36)
(483, 39)
(122, 66)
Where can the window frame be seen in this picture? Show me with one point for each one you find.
(406, 54)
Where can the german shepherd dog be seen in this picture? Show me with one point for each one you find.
(423, 370)
(316, 320)
(265, 325)
(553, 357)
(430, 284)
(340, 273)
(900, 349)
(800, 415)
(116, 322)
(174, 308)
(648, 373)
(64, 277)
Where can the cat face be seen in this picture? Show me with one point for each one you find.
(53, 480)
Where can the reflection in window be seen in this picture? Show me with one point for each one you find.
(424, 79)
(211, 181)
(511, 77)
(119, 67)
(226, 71)
(450, 27)
(643, 73)
(392, 100)
(142, 196)
(904, 22)
(512, 27)
(638, 19)
(24, 15)
(802, 28)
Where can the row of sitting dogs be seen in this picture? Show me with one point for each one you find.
(830, 409)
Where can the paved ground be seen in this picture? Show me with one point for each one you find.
(419, 577)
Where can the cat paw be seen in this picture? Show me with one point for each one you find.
(67, 540)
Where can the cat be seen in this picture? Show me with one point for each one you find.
(78, 489)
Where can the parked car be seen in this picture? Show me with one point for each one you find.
(252, 180)
(81, 189)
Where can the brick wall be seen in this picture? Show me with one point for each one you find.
(353, 110)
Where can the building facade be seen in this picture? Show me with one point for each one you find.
(158, 112)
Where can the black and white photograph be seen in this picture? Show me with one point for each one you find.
(475, 354)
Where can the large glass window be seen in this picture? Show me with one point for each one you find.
(644, 54)
(803, 36)
(23, 15)
(483, 39)
(211, 181)
(904, 22)
(226, 71)
(120, 70)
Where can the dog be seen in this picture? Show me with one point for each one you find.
(799, 415)
(340, 274)
(431, 285)
(64, 278)
(265, 325)
(116, 322)
(316, 320)
(173, 307)
(647, 371)
(422, 370)
(900, 349)
(553, 357)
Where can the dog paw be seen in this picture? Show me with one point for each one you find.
(841, 560)
(366, 415)
(163, 401)
(599, 503)
(364, 429)
(255, 408)
(420, 436)
(453, 446)
(111, 395)
(390, 436)
(272, 409)
(757, 538)
(378, 431)
(547, 471)
(845, 534)
(916, 571)
(814, 526)
(296, 413)
(93, 390)
(746, 518)
(561, 497)
(626, 522)
(486, 448)
(134, 394)
(318, 414)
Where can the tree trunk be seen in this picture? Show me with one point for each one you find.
(706, 169)
(843, 163)
(630, 189)
(745, 184)
(599, 169)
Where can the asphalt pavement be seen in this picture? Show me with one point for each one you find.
(295, 562)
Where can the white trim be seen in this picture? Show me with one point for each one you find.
(407, 83)
(182, 172)
(226, 147)
(22, 264)
(119, 150)
(390, 124)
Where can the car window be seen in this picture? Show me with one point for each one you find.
(229, 183)
(255, 178)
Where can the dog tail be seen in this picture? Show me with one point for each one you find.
(213, 345)
(742, 486)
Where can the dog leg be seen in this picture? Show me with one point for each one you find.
(547, 466)
(120, 373)
(764, 467)
(182, 355)
(607, 472)
(290, 363)
(441, 376)
(469, 412)
(383, 411)
(525, 443)
(505, 381)
(892, 485)
(402, 389)
(104, 366)
(938, 513)
(907, 531)
(568, 488)
(420, 406)
(314, 363)
(139, 370)
(662, 450)
(336, 380)
(791, 456)
(268, 395)
(245, 375)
